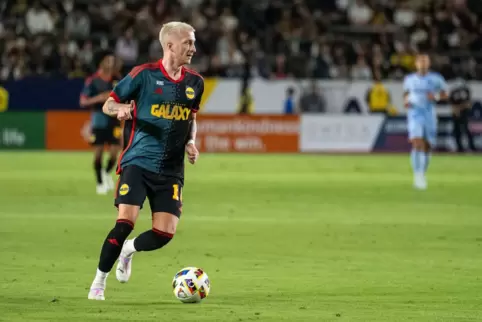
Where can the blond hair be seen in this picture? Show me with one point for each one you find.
(173, 27)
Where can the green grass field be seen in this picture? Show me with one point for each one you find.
(282, 238)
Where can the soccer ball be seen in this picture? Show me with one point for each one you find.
(191, 285)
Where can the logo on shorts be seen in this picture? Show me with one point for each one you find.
(124, 189)
(190, 94)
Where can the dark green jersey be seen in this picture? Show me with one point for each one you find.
(93, 86)
(162, 118)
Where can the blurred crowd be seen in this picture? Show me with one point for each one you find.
(329, 39)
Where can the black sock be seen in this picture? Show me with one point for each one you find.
(110, 165)
(113, 244)
(98, 170)
(151, 240)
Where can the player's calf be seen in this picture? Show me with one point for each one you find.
(110, 252)
(163, 230)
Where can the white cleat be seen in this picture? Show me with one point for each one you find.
(419, 181)
(124, 266)
(101, 189)
(96, 293)
(108, 181)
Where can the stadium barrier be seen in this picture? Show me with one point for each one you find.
(69, 131)
(221, 96)
(22, 131)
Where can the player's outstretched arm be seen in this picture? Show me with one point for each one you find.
(119, 110)
(88, 101)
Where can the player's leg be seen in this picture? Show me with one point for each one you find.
(415, 132)
(166, 204)
(457, 132)
(98, 141)
(98, 154)
(430, 140)
(113, 140)
(111, 163)
(465, 115)
(130, 197)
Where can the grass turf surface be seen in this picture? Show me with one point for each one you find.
(282, 238)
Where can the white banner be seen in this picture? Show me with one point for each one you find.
(326, 133)
(222, 96)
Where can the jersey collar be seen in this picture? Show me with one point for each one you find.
(163, 70)
(104, 77)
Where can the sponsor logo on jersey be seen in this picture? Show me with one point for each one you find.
(170, 112)
(190, 94)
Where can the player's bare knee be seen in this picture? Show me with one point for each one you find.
(426, 147)
(418, 144)
(128, 212)
(165, 222)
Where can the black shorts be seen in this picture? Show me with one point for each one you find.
(135, 184)
(110, 136)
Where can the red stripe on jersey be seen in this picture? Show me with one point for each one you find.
(131, 138)
(163, 70)
(136, 70)
(89, 79)
(115, 97)
(192, 71)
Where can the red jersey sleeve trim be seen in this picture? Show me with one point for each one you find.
(136, 70)
(191, 71)
(115, 97)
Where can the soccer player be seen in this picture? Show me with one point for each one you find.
(422, 90)
(105, 130)
(162, 99)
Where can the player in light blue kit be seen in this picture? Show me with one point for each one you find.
(422, 90)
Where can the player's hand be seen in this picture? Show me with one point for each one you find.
(125, 112)
(406, 103)
(431, 96)
(192, 153)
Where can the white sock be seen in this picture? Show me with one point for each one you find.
(129, 248)
(100, 277)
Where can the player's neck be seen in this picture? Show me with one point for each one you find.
(104, 74)
(172, 68)
(423, 72)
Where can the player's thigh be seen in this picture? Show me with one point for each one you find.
(99, 137)
(164, 221)
(114, 136)
(415, 128)
(131, 189)
(430, 132)
(165, 195)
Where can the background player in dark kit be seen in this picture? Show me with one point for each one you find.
(163, 98)
(105, 130)
(460, 99)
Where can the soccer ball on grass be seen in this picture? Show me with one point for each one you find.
(191, 285)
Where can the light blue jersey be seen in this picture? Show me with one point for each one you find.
(421, 116)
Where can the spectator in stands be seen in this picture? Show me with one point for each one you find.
(361, 71)
(378, 98)
(289, 103)
(404, 15)
(127, 48)
(39, 20)
(77, 24)
(359, 13)
(290, 38)
(312, 100)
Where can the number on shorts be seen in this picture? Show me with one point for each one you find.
(177, 193)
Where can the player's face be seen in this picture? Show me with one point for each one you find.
(422, 63)
(109, 63)
(183, 47)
